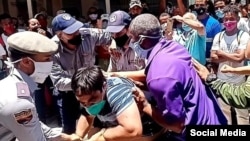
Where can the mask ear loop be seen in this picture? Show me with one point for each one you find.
(10, 65)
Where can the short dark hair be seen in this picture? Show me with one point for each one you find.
(88, 79)
(16, 54)
(4, 16)
(232, 9)
(215, 1)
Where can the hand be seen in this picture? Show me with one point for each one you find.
(113, 51)
(169, 35)
(226, 69)
(114, 74)
(178, 18)
(41, 31)
(140, 98)
(220, 53)
(98, 136)
(72, 137)
(200, 69)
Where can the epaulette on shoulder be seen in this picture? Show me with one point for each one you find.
(85, 31)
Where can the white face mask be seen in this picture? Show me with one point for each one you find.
(42, 71)
(93, 16)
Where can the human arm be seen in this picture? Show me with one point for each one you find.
(233, 95)
(239, 53)
(162, 5)
(215, 58)
(83, 125)
(181, 7)
(98, 36)
(129, 126)
(112, 65)
(61, 78)
(194, 24)
(237, 56)
(135, 75)
(247, 51)
(121, 101)
(245, 70)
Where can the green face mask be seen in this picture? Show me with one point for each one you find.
(95, 109)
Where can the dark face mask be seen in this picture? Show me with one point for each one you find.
(77, 40)
(120, 41)
(133, 16)
(200, 10)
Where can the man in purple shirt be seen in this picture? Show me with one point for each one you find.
(182, 99)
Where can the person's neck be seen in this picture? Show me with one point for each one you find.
(69, 46)
(230, 33)
(204, 16)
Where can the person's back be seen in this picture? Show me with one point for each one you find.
(178, 83)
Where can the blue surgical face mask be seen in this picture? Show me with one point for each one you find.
(219, 13)
(95, 109)
(142, 53)
(186, 28)
(195, 13)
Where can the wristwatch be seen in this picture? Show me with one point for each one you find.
(211, 77)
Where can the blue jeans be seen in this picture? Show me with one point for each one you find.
(69, 109)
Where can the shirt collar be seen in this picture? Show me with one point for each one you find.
(24, 77)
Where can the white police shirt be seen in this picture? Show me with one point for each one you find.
(17, 110)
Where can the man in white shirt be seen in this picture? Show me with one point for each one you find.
(229, 48)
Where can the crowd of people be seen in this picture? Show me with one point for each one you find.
(125, 75)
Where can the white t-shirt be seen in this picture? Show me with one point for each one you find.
(229, 44)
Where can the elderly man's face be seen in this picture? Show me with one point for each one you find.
(34, 25)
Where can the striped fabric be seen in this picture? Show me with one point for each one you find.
(119, 97)
(233, 95)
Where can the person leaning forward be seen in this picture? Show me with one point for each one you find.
(76, 50)
(30, 63)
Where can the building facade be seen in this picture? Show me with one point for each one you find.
(80, 7)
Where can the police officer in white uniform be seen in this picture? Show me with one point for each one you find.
(30, 62)
(76, 50)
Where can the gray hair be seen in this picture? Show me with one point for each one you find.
(145, 24)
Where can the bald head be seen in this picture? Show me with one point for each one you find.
(145, 24)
